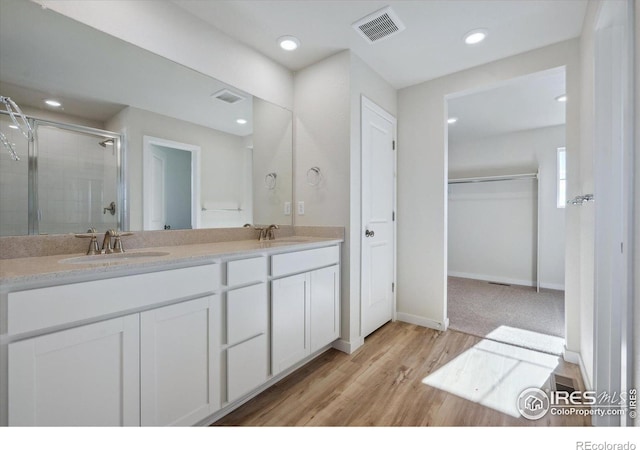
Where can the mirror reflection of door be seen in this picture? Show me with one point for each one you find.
(171, 174)
(170, 171)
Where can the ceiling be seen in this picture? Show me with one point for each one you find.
(431, 45)
(44, 54)
(517, 105)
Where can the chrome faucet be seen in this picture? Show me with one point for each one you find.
(271, 232)
(262, 232)
(106, 242)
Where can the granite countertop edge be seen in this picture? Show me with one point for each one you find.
(37, 270)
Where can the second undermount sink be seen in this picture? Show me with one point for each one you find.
(111, 257)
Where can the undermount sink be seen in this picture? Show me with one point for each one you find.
(111, 257)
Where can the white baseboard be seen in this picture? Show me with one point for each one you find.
(553, 286)
(422, 321)
(495, 279)
(576, 358)
(348, 347)
(492, 278)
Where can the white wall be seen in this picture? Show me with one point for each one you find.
(422, 178)
(327, 135)
(167, 30)
(272, 153)
(322, 139)
(223, 161)
(492, 226)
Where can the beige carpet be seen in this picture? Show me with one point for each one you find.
(515, 315)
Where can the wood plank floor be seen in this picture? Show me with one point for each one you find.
(381, 384)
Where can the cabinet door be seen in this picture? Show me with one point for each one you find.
(290, 326)
(247, 366)
(324, 307)
(179, 362)
(87, 376)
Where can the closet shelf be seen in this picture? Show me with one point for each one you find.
(519, 176)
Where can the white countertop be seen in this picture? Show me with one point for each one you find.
(34, 271)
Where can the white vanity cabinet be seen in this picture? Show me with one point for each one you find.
(179, 365)
(305, 308)
(246, 349)
(82, 376)
(155, 367)
(170, 345)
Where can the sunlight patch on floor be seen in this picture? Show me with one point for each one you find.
(493, 374)
(528, 339)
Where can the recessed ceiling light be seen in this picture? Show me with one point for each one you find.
(241, 121)
(14, 127)
(475, 36)
(561, 98)
(53, 103)
(288, 43)
(452, 120)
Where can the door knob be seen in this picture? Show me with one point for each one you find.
(368, 233)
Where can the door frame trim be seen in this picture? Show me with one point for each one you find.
(147, 143)
(613, 342)
(368, 103)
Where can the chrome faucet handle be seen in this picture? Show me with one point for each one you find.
(271, 232)
(117, 245)
(94, 249)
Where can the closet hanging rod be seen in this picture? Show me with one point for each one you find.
(520, 176)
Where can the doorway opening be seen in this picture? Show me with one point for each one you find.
(506, 239)
(171, 186)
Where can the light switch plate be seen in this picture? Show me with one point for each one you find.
(287, 208)
(301, 208)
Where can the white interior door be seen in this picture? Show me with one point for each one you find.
(157, 187)
(158, 200)
(378, 230)
(613, 158)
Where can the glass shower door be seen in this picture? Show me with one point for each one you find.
(14, 182)
(76, 180)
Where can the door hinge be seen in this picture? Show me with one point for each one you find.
(393, 216)
(393, 145)
(393, 287)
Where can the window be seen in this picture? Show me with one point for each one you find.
(561, 161)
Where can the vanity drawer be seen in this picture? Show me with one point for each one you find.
(247, 366)
(247, 313)
(296, 262)
(246, 271)
(59, 305)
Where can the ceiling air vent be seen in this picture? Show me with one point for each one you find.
(378, 26)
(225, 95)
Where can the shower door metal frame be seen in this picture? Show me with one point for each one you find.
(32, 152)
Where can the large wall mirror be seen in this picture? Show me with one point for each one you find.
(139, 141)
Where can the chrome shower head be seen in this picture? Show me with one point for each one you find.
(106, 142)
